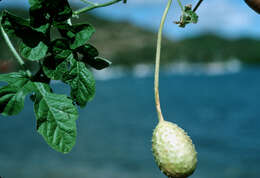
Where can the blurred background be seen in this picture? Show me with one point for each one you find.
(209, 85)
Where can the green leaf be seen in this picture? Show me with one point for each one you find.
(33, 43)
(99, 63)
(35, 2)
(55, 68)
(78, 34)
(188, 16)
(14, 25)
(60, 48)
(56, 65)
(81, 81)
(48, 11)
(39, 19)
(38, 16)
(84, 33)
(90, 57)
(56, 118)
(14, 78)
(88, 51)
(12, 96)
(59, 9)
(11, 100)
(45, 28)
(34, 53)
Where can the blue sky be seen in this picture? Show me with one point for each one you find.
(230, 18)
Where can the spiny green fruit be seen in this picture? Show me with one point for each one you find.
(173, 150)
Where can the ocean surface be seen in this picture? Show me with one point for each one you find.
(220, 113)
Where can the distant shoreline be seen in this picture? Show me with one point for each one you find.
(181, 68)
(128, 45)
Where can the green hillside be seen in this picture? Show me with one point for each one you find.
(126, 44)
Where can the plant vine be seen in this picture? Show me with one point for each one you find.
(188, 16)
(67, 58)
(95, 5)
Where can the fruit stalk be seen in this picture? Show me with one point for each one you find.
(172, 148)
(157, 63)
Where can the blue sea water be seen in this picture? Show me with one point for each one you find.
(220, 113)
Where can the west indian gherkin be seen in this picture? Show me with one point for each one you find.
(173, 150)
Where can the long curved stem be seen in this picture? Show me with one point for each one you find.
(94, 6)
(157, 63)
(13, 50)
